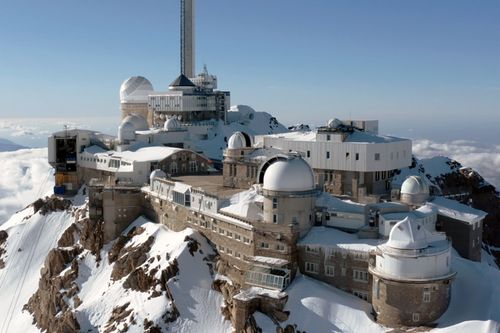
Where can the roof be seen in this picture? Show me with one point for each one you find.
(245, 204)
(355, 137)
(414, 185)
(455, 210)
(147, 154)
(330, 202)
(331, 237)
(135, 89)
(293, 174)
(182, 81)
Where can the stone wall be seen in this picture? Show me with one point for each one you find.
(401, 303)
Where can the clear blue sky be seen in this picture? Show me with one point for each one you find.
(403, 62)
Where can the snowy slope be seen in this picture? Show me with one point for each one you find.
(29, 241)
(198, 305)
(26, 176)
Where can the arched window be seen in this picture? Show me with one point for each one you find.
(173, 168)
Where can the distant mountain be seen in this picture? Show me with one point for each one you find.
(7, 145)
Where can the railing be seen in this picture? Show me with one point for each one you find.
(267, 280)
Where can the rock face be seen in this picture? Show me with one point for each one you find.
(50, 204)
(3, 240)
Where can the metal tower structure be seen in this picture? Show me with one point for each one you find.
(187, 38)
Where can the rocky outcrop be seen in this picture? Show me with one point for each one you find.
(91, 236)
(50, 204)
(48, 304)
(3, 240)
(131, 257)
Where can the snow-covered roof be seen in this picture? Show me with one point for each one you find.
(135, 89)
(332, 203)
(147, 154)
(171, 124)
(331, 237)
(419, 213)
(355, 137)
(408, 235)
(293, 174)
(245, 204)
(138, 121)
(270, 261)
(456, 210)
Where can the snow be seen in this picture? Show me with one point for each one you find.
(365, 137)
(329, 201)
(198, 304)
(147, 154)
(456, 210)
(246, 204)
(253, 292)
(30, 240)
(331, 237)
(270, 261)
(26, 176)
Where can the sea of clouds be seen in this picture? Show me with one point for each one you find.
(25, 176)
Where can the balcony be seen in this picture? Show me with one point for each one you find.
(272, 278)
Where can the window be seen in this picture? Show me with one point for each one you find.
(229, 251)
(229, 233)
(221, 248)
(312, 249)
(275, 218)
(342, 271)
(173, 168)
(377, 156)
(237, 237)
(237, 254)
(246, 240)
(357, 156)
(359, 276)
(312, 267)
(264, 245)
(275, 203)
(308, 153)
(329, 270)
(221, 231)
(426, 296)
(384, 174)
(193, 166)
(328, 137)
(377, 175)
(416, 316)
(280, 247)
(327, 155)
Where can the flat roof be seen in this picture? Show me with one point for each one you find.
(331, 237)
(209, 183)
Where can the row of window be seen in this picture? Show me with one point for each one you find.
(357, 275)
(221, 231)
(356, 255)
(277, 246)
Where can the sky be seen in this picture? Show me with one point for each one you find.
(425, 69)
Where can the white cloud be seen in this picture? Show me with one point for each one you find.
(25, 176)
(485, 160)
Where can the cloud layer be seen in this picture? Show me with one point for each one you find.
(485, 160)
(25, 177)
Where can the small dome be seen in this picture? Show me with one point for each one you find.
(171, 124)
(239, 140)
(140, 124)
(408, 235)
(414, 185)
(135, 90)
(126, 132)
(156, 174)
(334, 123)
(293, 174)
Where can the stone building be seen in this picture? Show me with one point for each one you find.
(412, 276)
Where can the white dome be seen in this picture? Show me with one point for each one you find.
(135, 90)
(156, 174)
(293, 174)
(334, 123)
(140, 124)
(408, 235)
(236, 141)
(126, 132)
(171, 124)
(414, 185)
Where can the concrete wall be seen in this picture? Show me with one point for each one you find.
(466, 238)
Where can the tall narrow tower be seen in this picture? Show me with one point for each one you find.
(187, 38)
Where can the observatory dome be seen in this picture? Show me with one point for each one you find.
(156, 174)
(293, 174)
(171, 124)
(139, 123)
(333, 123)
(408, 235)
(238, 140)
(126, 132)
(135, 90)
(414, 185)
